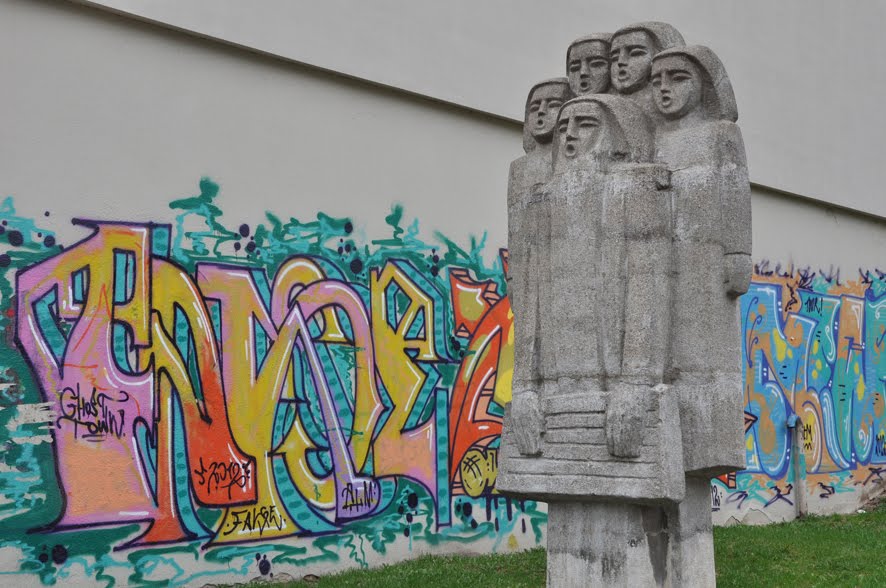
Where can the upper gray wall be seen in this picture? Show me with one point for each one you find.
(807, 73)
(108, 118)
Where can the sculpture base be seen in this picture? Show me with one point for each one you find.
(618, 544)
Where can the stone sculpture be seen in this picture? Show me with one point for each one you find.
(627, 385)
(529, 215)
(630, 55)
(587, 64)
(700, 141)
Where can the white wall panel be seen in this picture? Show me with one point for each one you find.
(807, 73)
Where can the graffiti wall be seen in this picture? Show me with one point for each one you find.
(207, 401)
(202, 401)
(814, 371)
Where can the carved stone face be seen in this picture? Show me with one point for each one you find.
(541, 115)
(588, 68)
(676, 86)
(578, 129)
(631, 61)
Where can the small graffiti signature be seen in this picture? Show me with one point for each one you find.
(255, 519)
(360, 496)
(220, 476)
(95, 416)
(715, 498)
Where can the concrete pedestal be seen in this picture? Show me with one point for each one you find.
(618, 544)
(606, 544)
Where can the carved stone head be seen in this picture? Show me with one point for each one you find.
(587, 64)
(601, 128)
(632, 50)
(544, 101)
(691, 81)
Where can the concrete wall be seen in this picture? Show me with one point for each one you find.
(377, 441)
(811, 350)
(815, 414)
(806, 73)
(118, 117)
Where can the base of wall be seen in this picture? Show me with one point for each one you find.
(758, 500)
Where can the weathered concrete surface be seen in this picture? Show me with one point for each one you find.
(631, 253)
(691, 548)
(601, 544)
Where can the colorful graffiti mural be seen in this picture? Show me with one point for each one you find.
(193, 402)
(814, 369)
(255, 398)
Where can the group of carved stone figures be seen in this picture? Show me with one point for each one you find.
(630, 240)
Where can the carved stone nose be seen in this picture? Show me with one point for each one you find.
(571, 130)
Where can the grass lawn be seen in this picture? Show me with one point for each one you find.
(842, 550)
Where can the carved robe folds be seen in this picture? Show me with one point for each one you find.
(609, 431)
(712, 226)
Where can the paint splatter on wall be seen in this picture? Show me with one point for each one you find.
(194, 400)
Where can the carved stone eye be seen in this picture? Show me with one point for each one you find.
(656, 80)
(638, 52)
(599, 62)
(564, 124)
(681, 76)
(574, 65)
(555, 104)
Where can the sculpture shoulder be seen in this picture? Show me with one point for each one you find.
(729, 142)
(530, 169)
(709, 143)
(516, 177)
(517, 166)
